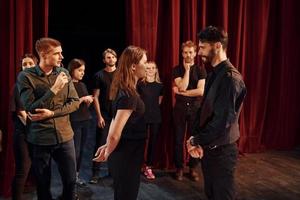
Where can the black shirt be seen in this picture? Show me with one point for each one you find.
(102, 81)
(15, 104)
(217, 119)
(150, 93)
(135, 127)
(83, 112)
(196, 73)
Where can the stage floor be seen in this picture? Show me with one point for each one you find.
(272, 175)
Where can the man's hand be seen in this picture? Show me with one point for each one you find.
(194, 151)
(175, 90)
(187, 66)
(101, 155)
(41, 114)
(60, 82)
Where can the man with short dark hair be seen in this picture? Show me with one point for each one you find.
(216, 127)
(48, 96)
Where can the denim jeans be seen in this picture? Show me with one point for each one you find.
(64, 155)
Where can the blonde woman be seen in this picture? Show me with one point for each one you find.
(151, 90)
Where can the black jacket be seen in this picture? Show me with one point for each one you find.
(217, 119)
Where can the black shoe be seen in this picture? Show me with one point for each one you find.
(194, 175)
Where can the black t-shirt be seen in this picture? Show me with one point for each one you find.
(196, 73)
(83, 112)
(15, 105)
(135, 127)
(15, 101)
(150, 92)
(102, 81)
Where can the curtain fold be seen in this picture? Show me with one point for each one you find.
(263, 41)
(21, 23)
(263, 45)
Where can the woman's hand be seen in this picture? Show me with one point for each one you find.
(87, 99)
(101, 155)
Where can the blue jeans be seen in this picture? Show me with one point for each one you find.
(64, 156)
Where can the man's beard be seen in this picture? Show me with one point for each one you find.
(209, 58)
(188, 60)
(110, 64)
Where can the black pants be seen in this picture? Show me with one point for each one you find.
(125, 164)
(64, 156)
(218, 167)
(184, 116)
(101, 135)
(80, 129)
(22, 159)
(152, 142)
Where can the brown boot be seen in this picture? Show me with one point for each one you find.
(179, 174)
(194, 175)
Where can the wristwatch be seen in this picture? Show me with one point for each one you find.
(192, 141)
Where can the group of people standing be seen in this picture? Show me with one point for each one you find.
(53, 116)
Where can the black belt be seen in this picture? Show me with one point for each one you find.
(215, 147)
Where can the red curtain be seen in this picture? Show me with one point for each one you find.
(21, 23)
(263, 45)
(263, 41)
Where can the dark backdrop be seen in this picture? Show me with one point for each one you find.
(87, 29)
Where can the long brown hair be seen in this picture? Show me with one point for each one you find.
(124, 77)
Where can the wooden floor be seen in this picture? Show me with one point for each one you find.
(272, 175)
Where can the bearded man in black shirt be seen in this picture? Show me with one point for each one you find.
(216, 127)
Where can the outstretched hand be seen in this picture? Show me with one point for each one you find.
(101, 155)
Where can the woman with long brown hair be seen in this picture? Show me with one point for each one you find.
(124, 148)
